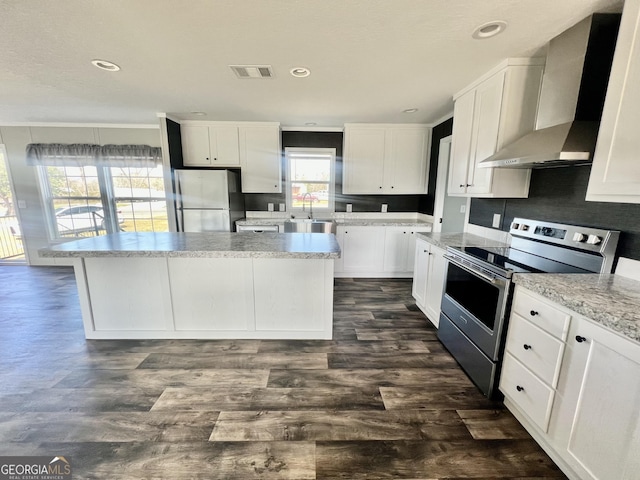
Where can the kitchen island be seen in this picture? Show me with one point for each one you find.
(204, 285)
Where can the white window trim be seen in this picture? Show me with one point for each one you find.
(332, 181)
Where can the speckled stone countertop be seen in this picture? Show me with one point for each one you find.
(444, 240)
(610, 300)
(374, 222)
(228, 245)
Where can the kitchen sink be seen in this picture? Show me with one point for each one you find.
(309, 225)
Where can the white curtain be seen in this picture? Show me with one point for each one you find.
(80, 155)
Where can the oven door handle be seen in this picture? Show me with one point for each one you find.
(470, 270)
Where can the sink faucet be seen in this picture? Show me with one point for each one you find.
(310, 204)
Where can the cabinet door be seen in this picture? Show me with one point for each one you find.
(363, 249)
(461, 143)
(420, 272)
(411, 245)
(488, 104)
(435, 283)
(260, 159)
(396, 243)
(615, 175)
(405, 168)
(195, 145)
(596, 419)
(363, 165)
(223, 143)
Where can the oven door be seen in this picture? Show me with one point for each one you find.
(477, 304)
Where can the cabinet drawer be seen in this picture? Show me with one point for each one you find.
(527, 391)
(536, 349)
(541, 314)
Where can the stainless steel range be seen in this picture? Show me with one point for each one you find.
(478, 287)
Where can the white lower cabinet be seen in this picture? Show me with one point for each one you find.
(362, 249)
(370, 251)
(399, 248)
(428, 278)
(576, 390)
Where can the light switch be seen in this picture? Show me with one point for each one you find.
(22, 204)
(270, 207)
(283, 207)
(496, 220)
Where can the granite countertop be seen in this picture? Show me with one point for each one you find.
(210, 245)
(610, 300)
(444, 240)
(374, 222)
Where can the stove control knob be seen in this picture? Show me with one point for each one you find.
(524, 227)
(515, 226)
(579, 237)
(594, 240)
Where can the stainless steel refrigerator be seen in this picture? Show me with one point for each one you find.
(208, 200)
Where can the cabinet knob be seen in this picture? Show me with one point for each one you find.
(527, 347)
(215, 158)
(392, 186)
(207, 159)
(426, 252)
(533, 313)
(580, 339)
(462, 185)
(519, 388)
(380, 187)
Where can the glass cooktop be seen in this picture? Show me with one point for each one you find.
(517, 261)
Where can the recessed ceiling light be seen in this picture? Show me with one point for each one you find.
(311, 124)
(489, 29)
(300, 72)
(410, 110)
(198, 114)
(105, 65)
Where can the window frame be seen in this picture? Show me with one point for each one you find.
(106, 200)
(331, 184)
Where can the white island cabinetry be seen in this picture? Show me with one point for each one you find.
(575, 386)
(204, 285)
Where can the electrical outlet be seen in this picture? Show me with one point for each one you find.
(270, 207)
(384, 208)
(463, 209)
(496, 220)
(283, 207)
(349, 208)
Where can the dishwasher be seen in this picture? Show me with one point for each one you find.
(257, 228)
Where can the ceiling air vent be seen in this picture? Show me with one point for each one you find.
(252, 71)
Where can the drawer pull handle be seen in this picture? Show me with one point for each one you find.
(519, 388)
(533, 313)
(527, 347)
(580, 339)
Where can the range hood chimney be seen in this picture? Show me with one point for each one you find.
(574, 86)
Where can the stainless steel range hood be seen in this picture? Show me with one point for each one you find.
(571, 99)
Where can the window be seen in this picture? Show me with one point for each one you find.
(310, 180)
(89, 194)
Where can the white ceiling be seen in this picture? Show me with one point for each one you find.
(369, 59)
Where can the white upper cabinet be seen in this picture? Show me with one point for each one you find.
(210, 145)
(615, 175)
(386, 159)
(495, 110)
(260, 158)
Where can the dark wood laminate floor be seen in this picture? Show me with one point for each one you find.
(382, 400)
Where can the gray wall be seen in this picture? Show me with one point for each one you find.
(557, 195)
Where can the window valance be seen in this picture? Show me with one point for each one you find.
(80, 155)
